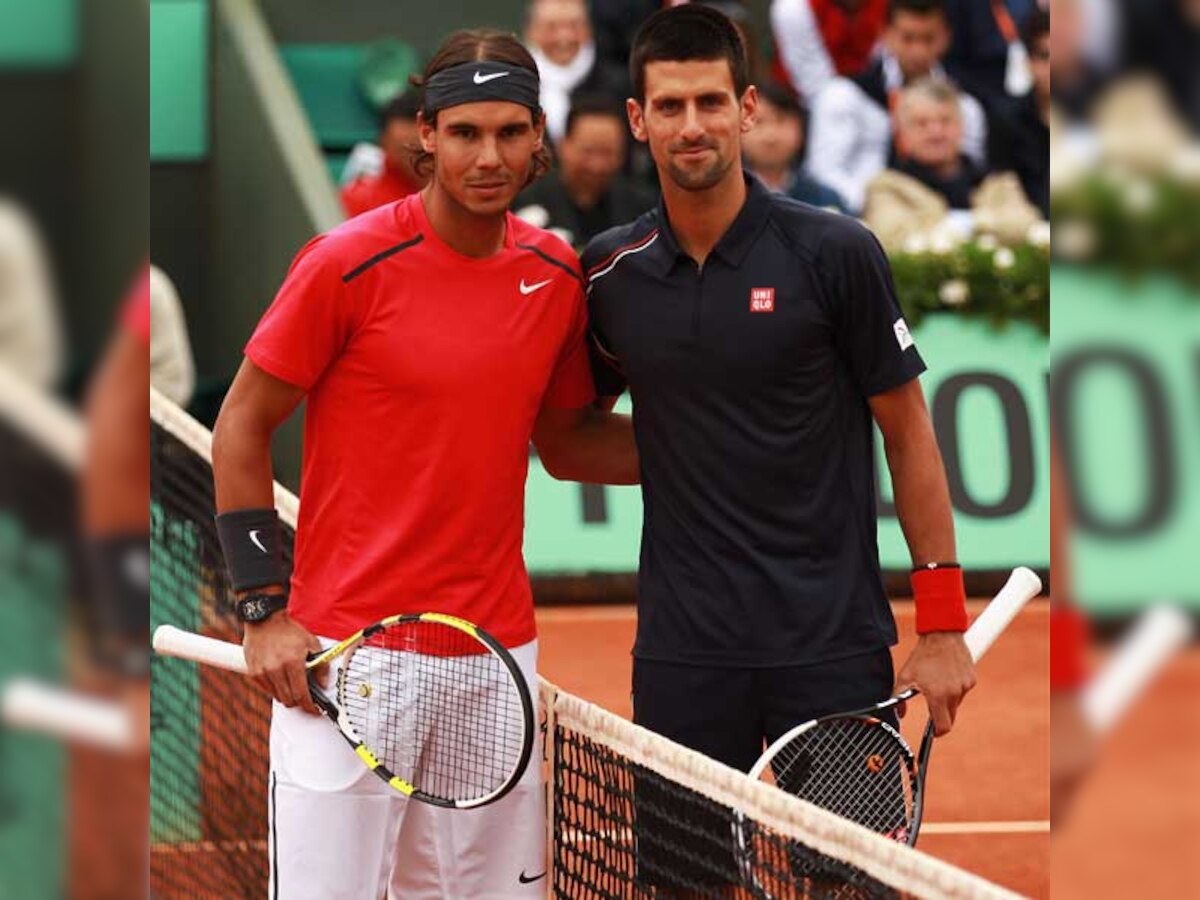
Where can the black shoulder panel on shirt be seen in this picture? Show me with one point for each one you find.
(809, 230)
(380, 257)
(550, 259)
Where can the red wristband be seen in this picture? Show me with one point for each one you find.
(941, 599)
(1068, 648)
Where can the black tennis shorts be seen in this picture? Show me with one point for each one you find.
(685, 841)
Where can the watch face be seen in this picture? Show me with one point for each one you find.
(255, 609)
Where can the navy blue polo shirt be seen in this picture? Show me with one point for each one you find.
(749, 378)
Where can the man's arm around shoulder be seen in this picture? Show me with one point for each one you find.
(590, 444)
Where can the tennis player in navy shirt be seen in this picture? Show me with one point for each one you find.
(759, 339)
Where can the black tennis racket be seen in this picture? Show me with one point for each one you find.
(859, 766)
(432, 704)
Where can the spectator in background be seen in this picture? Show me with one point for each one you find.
(851, 127)
(929, 128)
(819, 40)
(987, 56)
(772, 149)
(933, 186)
(558, 34)
(172, 370)
(1019, 129)
(30, 337)
(398, 179)
(586, 194)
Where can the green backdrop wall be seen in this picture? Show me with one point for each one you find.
(38, 33)
(1126, 359)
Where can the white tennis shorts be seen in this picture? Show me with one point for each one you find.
(339, 833)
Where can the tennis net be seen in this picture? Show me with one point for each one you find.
(631, 813)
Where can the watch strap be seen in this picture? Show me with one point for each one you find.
(264, 605)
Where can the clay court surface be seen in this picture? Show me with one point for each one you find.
(1134, 828)
(988, 806)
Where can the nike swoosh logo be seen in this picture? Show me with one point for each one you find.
(530, 288)
(524, 880)
(480, 78)
(254, 540)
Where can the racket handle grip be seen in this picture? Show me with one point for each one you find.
(1159, 633)
(172, 641)
(1022, 586)
(25, 703)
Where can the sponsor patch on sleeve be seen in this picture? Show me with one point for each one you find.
(903, 335)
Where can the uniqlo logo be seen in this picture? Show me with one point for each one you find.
(762, 299)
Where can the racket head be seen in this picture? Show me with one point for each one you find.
(434, 705)
(855, 765)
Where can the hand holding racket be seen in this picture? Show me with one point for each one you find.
(432, 704)
(860, 767)
(277, 651)
(942, 668)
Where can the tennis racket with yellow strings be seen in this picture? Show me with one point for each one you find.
(432, 704)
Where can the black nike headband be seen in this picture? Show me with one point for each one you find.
(475, 82)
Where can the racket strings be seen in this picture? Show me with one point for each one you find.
(854, 767)
(436, 708)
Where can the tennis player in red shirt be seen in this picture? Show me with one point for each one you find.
(432, 338)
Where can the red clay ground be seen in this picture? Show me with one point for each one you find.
(988, 804)
(1134, 828)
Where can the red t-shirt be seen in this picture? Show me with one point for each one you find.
(425, 370)
(366, 193)
(135, 315)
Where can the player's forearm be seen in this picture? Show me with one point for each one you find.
(599, 449)
(922, 495)
(242, 470)
(115, 486)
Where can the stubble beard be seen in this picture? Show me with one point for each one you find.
(703, 180)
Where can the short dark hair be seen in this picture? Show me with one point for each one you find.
(403, 107)
(918, 8)
(1037, 26)
(477, 45)
(684, 33)
(593, 105)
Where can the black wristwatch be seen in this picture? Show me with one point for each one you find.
(259, 607)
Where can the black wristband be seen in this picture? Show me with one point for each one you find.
(937, 565)
(120, 603)
(252, 543)
(120, 568)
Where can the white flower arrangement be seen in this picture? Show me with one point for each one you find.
(954, 292)
(1004, 258)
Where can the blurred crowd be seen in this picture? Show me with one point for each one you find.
(929, 119)
(913, 114)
